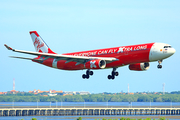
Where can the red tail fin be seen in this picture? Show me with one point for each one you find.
(39, 43)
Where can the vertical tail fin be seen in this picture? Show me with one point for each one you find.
(39, 43)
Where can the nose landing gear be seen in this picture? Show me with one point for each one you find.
(113, 74)
(159, 65)
(87, 75)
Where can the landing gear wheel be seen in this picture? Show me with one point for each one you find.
(87, 75)
(91, 73)
(159, 66)
(84, 76)
(113, 74)
(116, 73)
(109, 77)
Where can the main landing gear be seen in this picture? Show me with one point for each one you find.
(113, 74)
(87, 75)
(159, 65)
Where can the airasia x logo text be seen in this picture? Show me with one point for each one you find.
(92, 64)
(39, 45)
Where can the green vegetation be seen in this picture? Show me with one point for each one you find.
(91, 98)
(33, 119)
(79, 118)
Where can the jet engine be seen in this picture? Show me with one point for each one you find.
(139, 66)
(95, 64)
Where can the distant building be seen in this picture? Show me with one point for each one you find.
(13, 92)
(52, 94)
(76, 93)
(69, 93)
(83, 93)
(3, 93)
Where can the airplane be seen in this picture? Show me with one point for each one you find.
(136, 56)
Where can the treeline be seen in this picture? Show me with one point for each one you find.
(175, 92)
(91, 98)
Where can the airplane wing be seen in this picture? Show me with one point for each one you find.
(68, 58)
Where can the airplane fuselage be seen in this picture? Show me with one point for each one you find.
(125, 55)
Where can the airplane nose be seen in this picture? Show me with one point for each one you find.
(172, 51)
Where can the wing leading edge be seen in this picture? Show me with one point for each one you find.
(68, 58)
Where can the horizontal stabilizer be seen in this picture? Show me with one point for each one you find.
(26, 58)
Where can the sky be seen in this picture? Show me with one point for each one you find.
(72, 26)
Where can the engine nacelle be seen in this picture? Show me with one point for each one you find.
(139, 66)
(95, 64)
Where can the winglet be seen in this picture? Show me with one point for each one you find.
(9, 48)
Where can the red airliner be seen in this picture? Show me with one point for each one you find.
(136, 56)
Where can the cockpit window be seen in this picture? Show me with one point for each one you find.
(167, 46)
